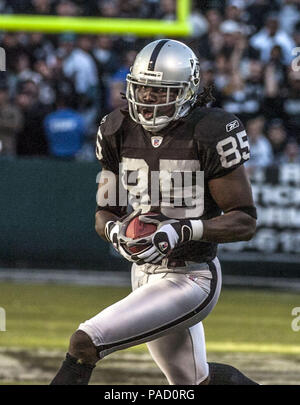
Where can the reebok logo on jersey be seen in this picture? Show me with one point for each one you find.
(163, 246)
(232, 125)
(156, 141)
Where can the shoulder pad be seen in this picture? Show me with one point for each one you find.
(215, 124)
(112, 122)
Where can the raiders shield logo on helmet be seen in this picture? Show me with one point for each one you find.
(156, 141)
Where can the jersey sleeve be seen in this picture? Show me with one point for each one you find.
(106, 147)
(226, 146)
(107, 152)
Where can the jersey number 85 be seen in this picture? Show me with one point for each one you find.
(228, 149)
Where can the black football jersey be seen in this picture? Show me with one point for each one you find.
(169, 171)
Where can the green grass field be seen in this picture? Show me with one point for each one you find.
(248, 328)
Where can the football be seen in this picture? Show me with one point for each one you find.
(137, 229)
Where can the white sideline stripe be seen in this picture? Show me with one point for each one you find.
(122, 278)
(257, 257)
(77, 277)
(292, 284)
(258, 347)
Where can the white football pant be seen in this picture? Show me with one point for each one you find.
(164, 310)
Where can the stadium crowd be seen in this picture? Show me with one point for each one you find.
(57, 87)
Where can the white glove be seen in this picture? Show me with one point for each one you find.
(115, 232)
(169, 234)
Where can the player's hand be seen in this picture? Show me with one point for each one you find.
(115, 233)
(169, 234)
(112, 229)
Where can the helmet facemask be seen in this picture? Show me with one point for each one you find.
(176, 95)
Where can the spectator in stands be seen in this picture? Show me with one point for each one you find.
(276, 59)
(65, 130)
(124, 69)
(4, 7)
(289, 15)
(39, 47)
(271, 35)
(257, 10)
(284, 101)
(19, 6)
(11, 121)
(210, 44)
(214, 19)
(31, 139)
(81, 67)
(24, 72)
(223, 71)
(65, 44)
(291, 104)
(108, 62)
(67, 8)
(215, 4)
(208, 80)
(235, 10)
(46, 90)
(62, 84)
(231, 32)
(260, 146)
(277, 135)
(291, 153)
(244, 96)
(107, 58)
(43, 7)
(88, 8)
(235, 38)
(135, 9)
(272, 100)
(13, 48)
(296, 34)
(109, 8)
(167, 10)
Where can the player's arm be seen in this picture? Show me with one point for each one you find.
(109, 215)
(233, 195)
(103, 215)
(101, 219)
(108, 210)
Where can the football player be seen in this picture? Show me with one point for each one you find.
(165, 133)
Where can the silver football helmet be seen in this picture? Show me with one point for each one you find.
(169, 69)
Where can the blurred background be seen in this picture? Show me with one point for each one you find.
(53, 94)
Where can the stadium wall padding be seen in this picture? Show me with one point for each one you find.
(47, 215)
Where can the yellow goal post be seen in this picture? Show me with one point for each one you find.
(93, 25)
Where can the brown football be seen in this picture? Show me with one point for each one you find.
(137, 229)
